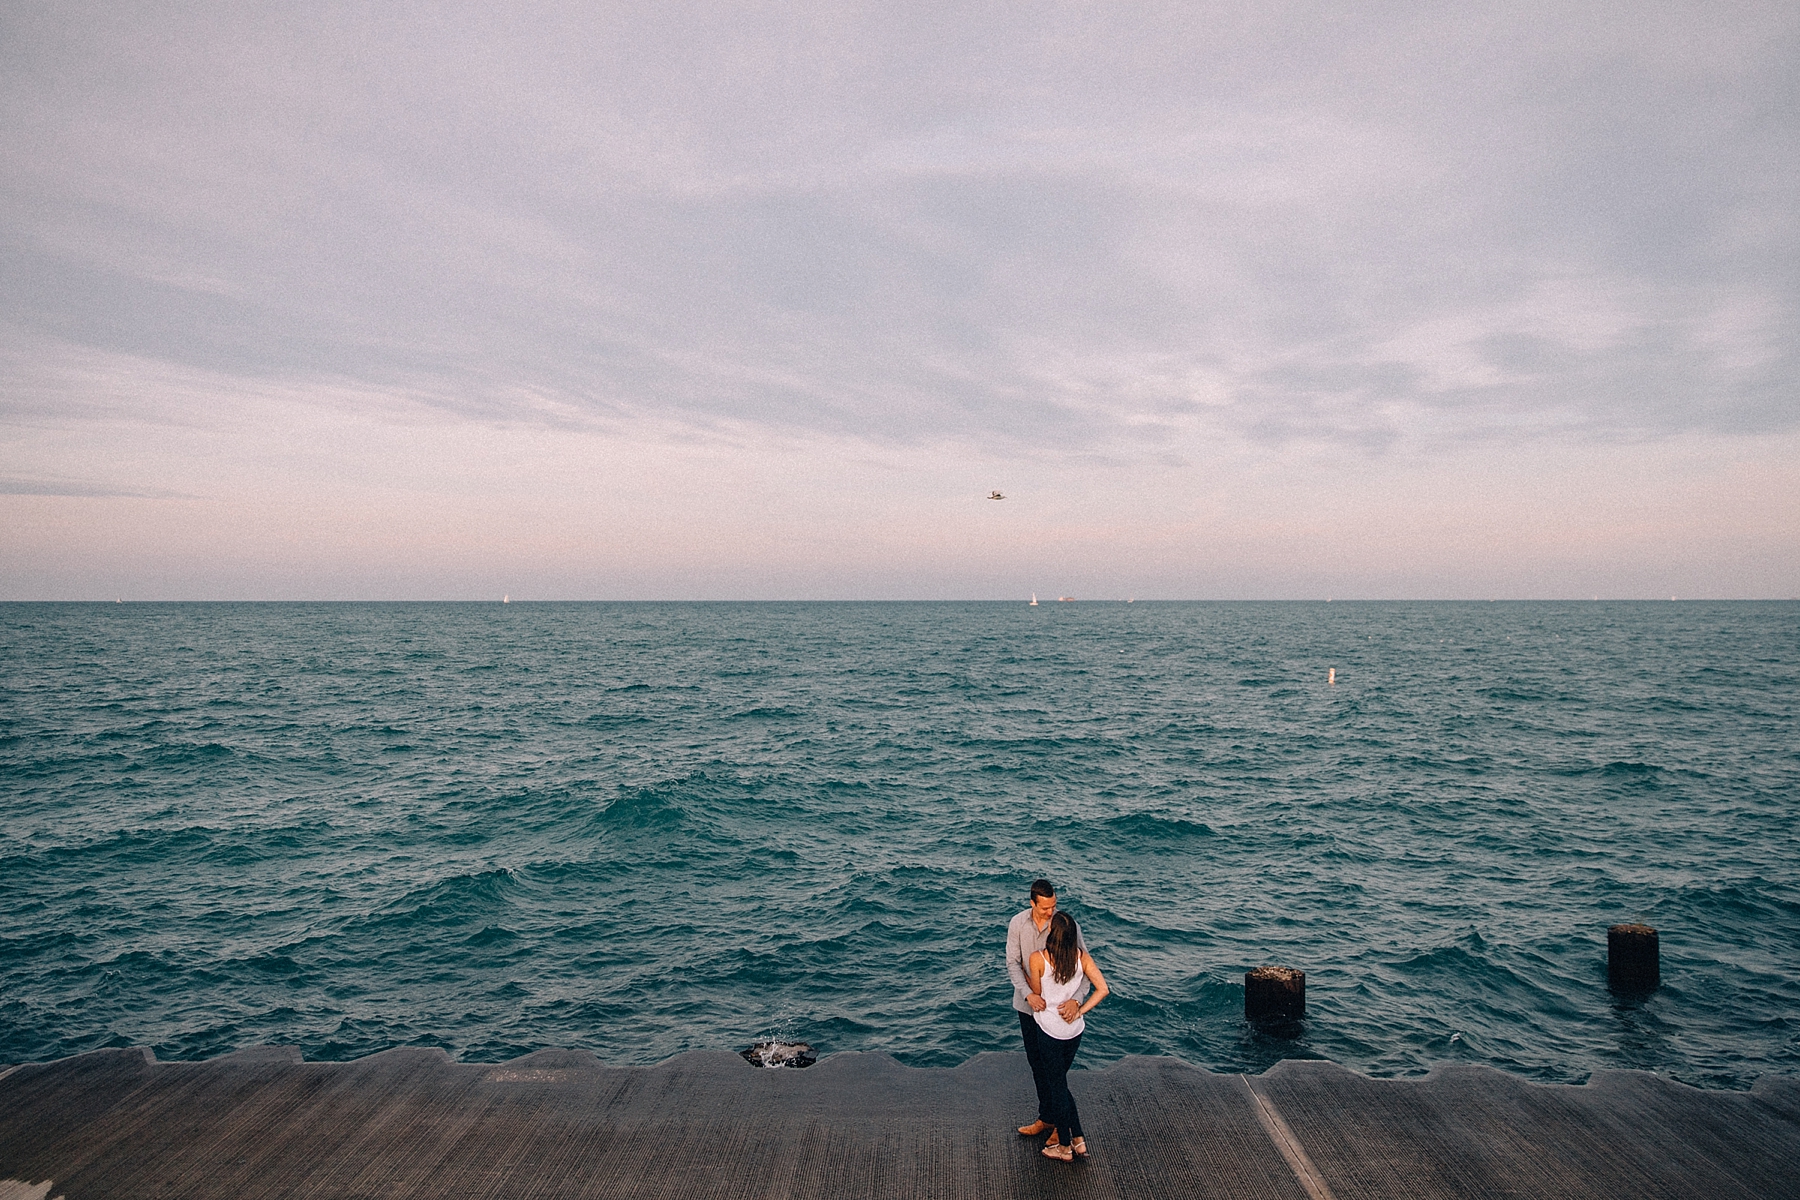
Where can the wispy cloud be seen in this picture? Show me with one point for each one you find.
(77, 487)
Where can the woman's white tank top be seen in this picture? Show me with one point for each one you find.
(1054, 993)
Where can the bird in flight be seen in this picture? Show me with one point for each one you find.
(995, 496)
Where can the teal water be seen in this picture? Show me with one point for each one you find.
(645, 828)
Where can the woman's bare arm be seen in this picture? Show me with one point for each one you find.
(1092, 970)
(1034, 971)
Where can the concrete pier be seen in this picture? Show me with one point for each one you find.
(412, 1123)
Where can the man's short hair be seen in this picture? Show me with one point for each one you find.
(1042, 889)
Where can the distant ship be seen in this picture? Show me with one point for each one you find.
(1065, 597)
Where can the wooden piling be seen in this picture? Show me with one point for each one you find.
(1633, 959)
(1274, 993)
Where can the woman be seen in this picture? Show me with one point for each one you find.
(1056, 972)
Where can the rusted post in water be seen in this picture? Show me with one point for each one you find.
(1274, 993)
(1633, 959)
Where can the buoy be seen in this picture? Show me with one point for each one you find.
(1274, 994)
(1633, 959)
(1331, 677)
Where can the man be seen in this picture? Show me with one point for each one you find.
(1025, 936)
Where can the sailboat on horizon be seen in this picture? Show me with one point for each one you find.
(1033, 603)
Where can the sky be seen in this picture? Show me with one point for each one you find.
(684, 300)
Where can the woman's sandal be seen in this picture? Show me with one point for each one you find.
(1060, 1153)
(1079, 1146)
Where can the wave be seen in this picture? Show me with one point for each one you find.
(273, 964)
(491, 935)
(1159, 831)
(126, 848)
(177, 754)
(614, 720)
(1630, 770)
(456, 900)
(641, 808)
(767, 713)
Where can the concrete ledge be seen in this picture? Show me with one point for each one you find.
(559, 1123)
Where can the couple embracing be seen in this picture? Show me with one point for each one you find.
(1051, 972)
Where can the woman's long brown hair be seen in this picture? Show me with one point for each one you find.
(1062, 947)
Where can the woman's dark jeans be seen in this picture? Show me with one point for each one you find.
(1056, 1056)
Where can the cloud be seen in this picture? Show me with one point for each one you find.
(77, 487)
(1012, 223)
(241, 246)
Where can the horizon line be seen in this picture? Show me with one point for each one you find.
(506, 600)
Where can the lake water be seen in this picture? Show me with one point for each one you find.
(645, 828)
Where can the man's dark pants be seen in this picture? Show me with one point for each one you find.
(1036, 1054)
